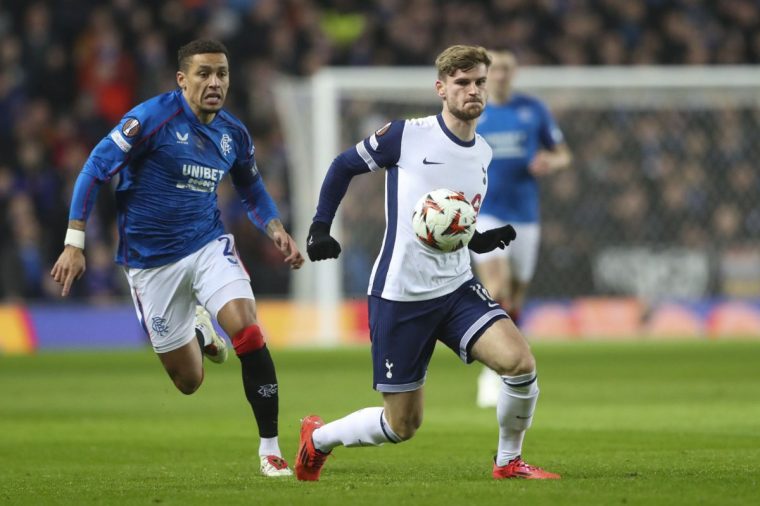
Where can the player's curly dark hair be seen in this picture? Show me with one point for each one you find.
(198, 46)
(461, 57)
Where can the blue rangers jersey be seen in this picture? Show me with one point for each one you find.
(516, 130)
(169, 165)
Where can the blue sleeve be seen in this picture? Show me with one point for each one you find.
(86, 191)
(109, 156)
(245, 160)
(259, 205)
(383, 148)
(345, 166)
(129, 139)
(549, 133)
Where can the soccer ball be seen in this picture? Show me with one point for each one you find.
(444, 220)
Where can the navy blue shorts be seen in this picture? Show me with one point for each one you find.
(404, 333)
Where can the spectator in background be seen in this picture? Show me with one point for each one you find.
(24, 265)
(105, 70)
(744, 185)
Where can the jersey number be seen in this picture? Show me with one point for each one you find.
(481, 292)
(229, 250)
(476, 202)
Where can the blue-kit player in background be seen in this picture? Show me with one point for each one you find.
(170, 153)
(527, 145)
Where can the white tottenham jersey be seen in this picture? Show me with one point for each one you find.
(421, 155)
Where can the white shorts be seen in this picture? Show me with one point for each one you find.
(165, 297)
(522, 253)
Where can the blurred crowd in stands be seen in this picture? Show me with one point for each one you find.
(665, 178)
(69, 69)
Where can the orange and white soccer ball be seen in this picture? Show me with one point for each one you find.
(444, 220)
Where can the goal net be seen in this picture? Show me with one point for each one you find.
(662, 201)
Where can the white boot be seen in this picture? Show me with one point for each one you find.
(215, 347)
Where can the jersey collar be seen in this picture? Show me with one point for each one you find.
(450, 134)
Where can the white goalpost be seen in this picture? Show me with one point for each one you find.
(329, 112)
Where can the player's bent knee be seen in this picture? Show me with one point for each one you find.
(406, 426)
(526, 364)
(248, 340)
(516, 365)
(188, 384)
(187, 387)
(405, 432)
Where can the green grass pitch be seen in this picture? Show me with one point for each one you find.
(624, 423)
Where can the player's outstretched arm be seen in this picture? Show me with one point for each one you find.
(492, 239)
(382, 149)
(106, 160)
(320, 245)
(70, 265)
(285, 243)
(108, 157)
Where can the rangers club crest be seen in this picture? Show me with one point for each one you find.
(160, 326)
(268, 390)
(226, 144)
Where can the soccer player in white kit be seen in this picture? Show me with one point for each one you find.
(418, 296)
(527, 145)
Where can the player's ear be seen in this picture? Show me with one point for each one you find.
(440, 88)
(181, 79)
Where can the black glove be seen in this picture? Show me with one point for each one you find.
(492, 239)
(321, 245)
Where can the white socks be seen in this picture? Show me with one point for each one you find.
(514, 411)
(269, 446)
(366, 427)
(369, 427)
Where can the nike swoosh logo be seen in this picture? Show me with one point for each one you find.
(523, 417)
(425, 161)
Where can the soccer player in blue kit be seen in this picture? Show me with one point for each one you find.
(418, 296)
(527, 145)
(170, 153)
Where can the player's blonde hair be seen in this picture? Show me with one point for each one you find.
(461, 57)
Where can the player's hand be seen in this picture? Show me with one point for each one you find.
(69, 267)
(287, 246)
(492, 239)
(320, 245)
(540, 165)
